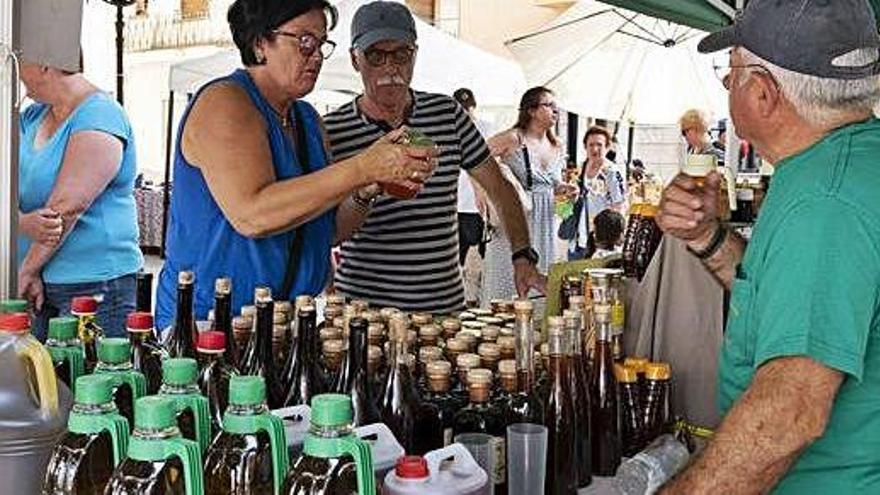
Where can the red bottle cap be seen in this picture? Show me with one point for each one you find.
(84, 305)
(15, 323)
(139, 321)
(411, 467)
(212, 341)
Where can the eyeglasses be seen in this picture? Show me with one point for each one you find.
(401, 56)
(309, 44)
(723, 72)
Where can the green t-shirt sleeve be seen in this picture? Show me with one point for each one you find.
(817, 291)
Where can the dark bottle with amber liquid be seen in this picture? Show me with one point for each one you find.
(160, 461)
(658, 406)
(581, 398)
(214, 376)
(481, 416)
(180, 383)
(629, 239)
(114, 360)
(437, 382)
(144, 292)
(249, 456)
(354, 378)
(95, 443)
(605, 415)
(85, 309)
(305, 378)
(65, 349)
(258, 358)
(525, 406)
(562, 473)
(179, 341)
(631, 423)
(146, 352)
(223, 319)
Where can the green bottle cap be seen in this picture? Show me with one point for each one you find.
(13, 306)
(247, 390)
(155, 412)
(331, 410)
(63, 328)
(94, 390)
(180, 371)
(114, 350)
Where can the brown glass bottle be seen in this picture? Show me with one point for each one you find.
(629, 239)
(305, 377)
(144, 292)
(605, 415)
(525, 406)
(631, 423)
(437, 393)
(215, 375)
(562, 473)
(258, 358)
(333, 353)
(618, 313)
(580, 398)
(180, 340)
(85, 309)
(146, 352)
(647, 239)
(354, 379)
(223, 319)
(480, 416)
(658, 407)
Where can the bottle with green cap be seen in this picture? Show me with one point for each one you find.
(180, 383)
(114, 360)
(9, 306)
(95, 443)
(249, 456)
(334, 460)
(65, 349)
(160, 461)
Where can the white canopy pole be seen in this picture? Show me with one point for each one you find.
(723, 7)
(9, 43)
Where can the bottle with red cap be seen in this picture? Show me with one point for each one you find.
(146, 352)
(85, 309)
(215, 375)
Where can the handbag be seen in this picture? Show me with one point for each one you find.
(568, 228)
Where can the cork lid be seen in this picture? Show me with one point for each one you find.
(387, 313)
(489, 350)
(279, 317)
(420, 319)
(339, 322)
(301, 301)
(467, 361)
(360, 305)
(335, 346)
(479, 376)
(491, 332)
(438, 368)
(507, 367)
(375, 330)
(374, 353)
(555, 322)
(332, 312)
(371, 316)
(242, 322)
(456, 345)
(430, 353)
(625, 374)
(468, 337)
(490, 320)
(638, 364)
(521, 305)
(223, 285)
(466, 316)
(429, 331)
(335, 300)
(506, 342)
(506, 317)
(451, 324)
(249, 310)
(330, 333)
(186, 278)
(283, 306)
(262, 295)
(478, 312)
(658, 371)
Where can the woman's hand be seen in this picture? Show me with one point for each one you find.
(30, 287)
(43, 225)
(387, 160)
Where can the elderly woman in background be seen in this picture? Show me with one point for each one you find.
(76, 209)
(254, 196)
(694, 126)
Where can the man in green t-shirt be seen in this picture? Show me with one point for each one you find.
(799, 373)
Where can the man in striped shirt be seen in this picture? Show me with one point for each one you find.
(404, 253)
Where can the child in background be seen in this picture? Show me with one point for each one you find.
(608, 229)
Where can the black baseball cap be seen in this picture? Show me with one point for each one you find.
(804, 36)
(382, 21)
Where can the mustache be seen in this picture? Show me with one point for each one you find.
(394, 80)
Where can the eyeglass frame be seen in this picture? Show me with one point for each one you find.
(301, 41)
(387, 55)
(725, 80)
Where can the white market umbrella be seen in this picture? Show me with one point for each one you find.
(612, 63)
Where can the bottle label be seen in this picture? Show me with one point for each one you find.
(499, 474)
(447, 437)
(617, 319)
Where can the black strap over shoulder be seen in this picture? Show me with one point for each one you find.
(301, 146)
(528, 161)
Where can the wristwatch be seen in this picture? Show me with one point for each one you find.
(528, 253)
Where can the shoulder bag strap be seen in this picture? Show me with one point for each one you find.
(302, 154)
(527, 160)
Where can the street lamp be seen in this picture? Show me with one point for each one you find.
(120, 24)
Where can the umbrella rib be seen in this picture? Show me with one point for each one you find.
(631, 20)
(579, 58)
(642, 38)
(553, 28)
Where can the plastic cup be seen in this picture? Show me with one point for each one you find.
(482, 448)
(526, 458)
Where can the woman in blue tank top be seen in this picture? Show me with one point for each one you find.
(253, 189)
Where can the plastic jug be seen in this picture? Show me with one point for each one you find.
(33, 406)
(296, 421)
(179, 376)
(66, 351)
(447, 471)
(384, 447)
(114, 359)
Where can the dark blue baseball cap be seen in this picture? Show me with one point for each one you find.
(382, 21)
(804, 36)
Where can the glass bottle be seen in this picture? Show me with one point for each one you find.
(258, 358)
(658, 407)
(304, 375)
(281, 332)
(146, 352)
(114, 360)
(507, 344)
(437, 393)
(489, 354)
(333, 354)
(528, 403)
(215, 375)
(249, 456)
(160, 461)
(562, 472)
(378, 371)
(242, 330)
(631, 422)
(179, 341)
(580, 397)
(144, 292)
(629, 239)
(334, 460)
(85, 309)
(223, 319)
(65, 350)
(618, 314)
(180, 383)
(95, 443)
(463, 364)
(605, 417)
(354, 378)
(481, 417)
(639, 365)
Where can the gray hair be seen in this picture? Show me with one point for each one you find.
(825, 102)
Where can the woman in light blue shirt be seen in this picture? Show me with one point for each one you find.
(77, 215)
